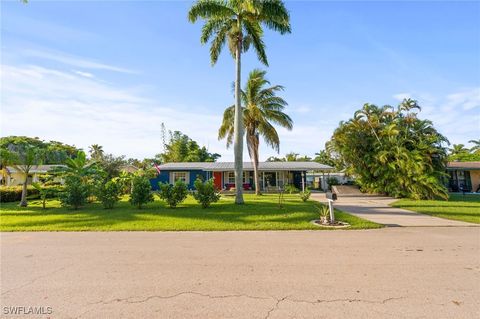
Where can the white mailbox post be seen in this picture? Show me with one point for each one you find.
(331, 197)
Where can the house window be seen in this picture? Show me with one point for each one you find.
(230, 178)
(183, 176)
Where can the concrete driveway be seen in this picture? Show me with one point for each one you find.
(377, 209)
(386, 273)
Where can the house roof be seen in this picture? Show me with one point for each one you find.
(262, 166)
(463, 165)
(35, 168)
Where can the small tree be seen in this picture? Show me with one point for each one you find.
(108, 193)
(173, 194)
(290, 188)
(205, 193)
(75, 193)
(141, 191)
(44, 192)
(24, 161)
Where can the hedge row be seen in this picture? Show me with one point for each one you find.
(14, 193)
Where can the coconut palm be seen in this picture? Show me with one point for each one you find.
(239, 22)
(262, 107)
(458, 149)
(96, 152)
(476, 146)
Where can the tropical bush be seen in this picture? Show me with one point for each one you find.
(108, 193)
(290, 188)
(173, 194)
(141, 191)
(305, 195)
(391, 151)
(205, 193)
(75, 193)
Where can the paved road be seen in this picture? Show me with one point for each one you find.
(377, 209)
(387, 273)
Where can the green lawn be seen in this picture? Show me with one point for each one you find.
(465, 208)
(259, 213)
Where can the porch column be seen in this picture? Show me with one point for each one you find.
(303, 181)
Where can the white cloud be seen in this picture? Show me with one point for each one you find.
(71, 108)
(85, 74)
(75, 61)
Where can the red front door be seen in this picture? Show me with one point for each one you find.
(217, 180)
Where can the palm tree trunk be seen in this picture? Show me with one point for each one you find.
(255, 168)
(238, 130)
(23, 201)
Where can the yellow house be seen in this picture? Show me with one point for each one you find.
(464, 176)
(16, 177)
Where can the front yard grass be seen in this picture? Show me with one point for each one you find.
(458, 207)
(259, 213)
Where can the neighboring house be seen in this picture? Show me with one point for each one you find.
(463, 175)
(320, 179)
(16, 177)
(272, 174)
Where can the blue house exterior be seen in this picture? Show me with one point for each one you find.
(272, 175)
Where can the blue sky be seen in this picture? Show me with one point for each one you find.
(110, 72)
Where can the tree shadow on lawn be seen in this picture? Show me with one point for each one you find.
(259, 214)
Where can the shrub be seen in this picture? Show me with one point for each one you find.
(173, 194)
(108, 193)
(205, 192)
(14, 193)
(305, 195)
(141, 191)
(75, 193)
(290, 188)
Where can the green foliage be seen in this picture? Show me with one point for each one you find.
(393, 152)
(75, 193)
(45, 192)
(324, 213)
(173, 194)
(55, 152)
(239, 23)
(290, 157)
(464, 157)
(141, 191)
(108, 193)
(109, 164)
(290, 188)
(305, 195)
(14, 193)
(181, 148)
(205, 192)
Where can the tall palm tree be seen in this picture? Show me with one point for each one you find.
(262, 107)
(458, 149)
(476, 146)
(239, 22)
(96, 152)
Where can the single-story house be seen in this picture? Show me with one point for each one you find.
(320, 179)
(273, 175)
(16, 177)
(463, 176)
